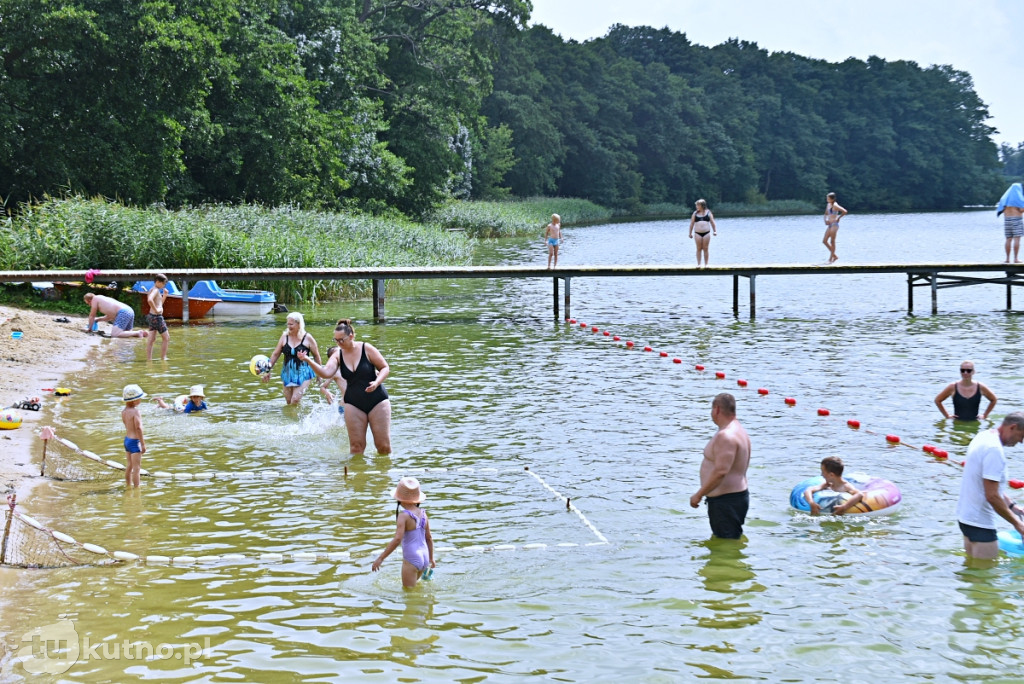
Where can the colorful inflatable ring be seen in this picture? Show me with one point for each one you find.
(1010, 543)
(881, 497)
(9, 420)
(180, 402)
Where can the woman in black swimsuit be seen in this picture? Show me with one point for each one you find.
(366, 400)
(967, 394)
(703, 222)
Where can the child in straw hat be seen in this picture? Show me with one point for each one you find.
(412, 532)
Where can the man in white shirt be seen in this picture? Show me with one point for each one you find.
(982, 501)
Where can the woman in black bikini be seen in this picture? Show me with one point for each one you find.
(366, 400)
(702, 219)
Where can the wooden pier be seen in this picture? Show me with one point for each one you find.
(934, 276)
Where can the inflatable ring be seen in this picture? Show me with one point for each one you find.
(180, 402)
(1010, 543)
(881, 497)
(9, 420)
(259, 365)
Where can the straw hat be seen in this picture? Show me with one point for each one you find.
(408, 491)
(196, 391)
(132, 392)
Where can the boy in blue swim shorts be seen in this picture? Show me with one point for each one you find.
(134, 441)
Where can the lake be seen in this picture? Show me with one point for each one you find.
(485, 384)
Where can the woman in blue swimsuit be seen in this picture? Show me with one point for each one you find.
(366, 401)
(295, 375)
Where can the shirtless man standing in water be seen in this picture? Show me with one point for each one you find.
(723, 472)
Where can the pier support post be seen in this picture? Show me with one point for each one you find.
(554, 295)
(735, 295)
(1009, 291)
(910, 293)
(566, 281)
(184, 301)
(935, 293)
(378, 299)
(753, 294)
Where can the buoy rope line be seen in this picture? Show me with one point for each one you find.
(940, 454)
(569, 505)
(252, 474)
(102, 555)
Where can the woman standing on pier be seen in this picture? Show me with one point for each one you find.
(833, 212)
(704, 221)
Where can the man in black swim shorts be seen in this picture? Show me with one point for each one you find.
(723, 472)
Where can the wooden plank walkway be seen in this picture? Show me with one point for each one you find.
(934, 276)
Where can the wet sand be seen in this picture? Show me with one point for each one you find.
(47, 356)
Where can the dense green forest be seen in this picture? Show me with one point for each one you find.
(394, 106)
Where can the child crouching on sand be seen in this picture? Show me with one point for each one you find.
(134, 441)
(413, 533)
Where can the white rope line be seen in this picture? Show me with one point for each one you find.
(569, 506)
(269, 474)
(300, 556)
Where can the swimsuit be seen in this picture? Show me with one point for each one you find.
(132, 445)
(706, 217)
(1013, 226)
(553, 242)
(966, 408)
(358, 380)
(190, 407)
(414, 543)
(727, 512)
(157, 323)
(125, 319)
(832, 211)
(295, 373)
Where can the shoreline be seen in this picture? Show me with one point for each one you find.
(47, 354)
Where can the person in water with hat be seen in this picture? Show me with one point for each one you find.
(197, 400)
(134, 441)
(412, 532)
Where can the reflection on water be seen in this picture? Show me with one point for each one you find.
(483, 385)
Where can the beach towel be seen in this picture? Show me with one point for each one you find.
(1013, 197)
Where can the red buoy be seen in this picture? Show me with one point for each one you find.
(762, 391)
(571, 320)
(594, 329)
(583, 325)
(1017, 484)
(823, 412)
(647, 348)
(629, 343)
(894, 439)
(677, 360)
(741, 382)
(719, 374)
(662, 353)
(940, 453)
(928, 449)
(853, 423)
(699, 367)
(791, 401)
(616, 338)
(606, 333)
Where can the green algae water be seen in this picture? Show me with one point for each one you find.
(484, 384)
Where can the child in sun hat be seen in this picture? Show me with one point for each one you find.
(134, 441)
(412, 532)
(196, 402)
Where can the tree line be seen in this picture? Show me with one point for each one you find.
(394, 106)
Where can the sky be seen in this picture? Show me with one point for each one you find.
(982, 37)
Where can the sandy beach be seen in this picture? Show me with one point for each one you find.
(47, 354)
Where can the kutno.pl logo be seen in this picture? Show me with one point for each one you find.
(53, 649)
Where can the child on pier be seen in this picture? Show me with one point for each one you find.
(553, 233)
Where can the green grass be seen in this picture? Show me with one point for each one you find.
(516, 217)
(77, 233)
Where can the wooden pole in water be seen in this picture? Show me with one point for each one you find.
(184, 301)
(11, 499)
(735, 295)
(910, 293)
(753, 294)
(378, 299)
(1009, 291)
(566, 280)
(554, 294)
(935, 292)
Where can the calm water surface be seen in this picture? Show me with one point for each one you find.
(484, 382)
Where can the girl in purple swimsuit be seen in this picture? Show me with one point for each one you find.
(412, 532)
